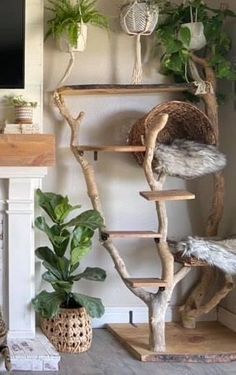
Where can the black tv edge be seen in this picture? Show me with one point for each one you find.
(12, 44)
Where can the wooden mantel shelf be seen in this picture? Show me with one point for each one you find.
(124, 89)
(27, 150)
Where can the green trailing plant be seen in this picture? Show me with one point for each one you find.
(68, 16)
(19, 101)
(71, 241)
(175, 40)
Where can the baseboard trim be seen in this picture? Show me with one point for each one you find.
(227, 318)
(139, 315)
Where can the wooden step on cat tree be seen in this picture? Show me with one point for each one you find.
(150, 344)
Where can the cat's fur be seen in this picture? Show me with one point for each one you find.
(187, 159)
(221, 254)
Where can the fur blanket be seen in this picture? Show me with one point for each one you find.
(221, 254)
(187, 159)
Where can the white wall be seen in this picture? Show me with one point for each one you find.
(109, 59)
(33, 91)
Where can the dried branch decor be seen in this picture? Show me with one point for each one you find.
(157, 302)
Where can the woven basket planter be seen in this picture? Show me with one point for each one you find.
(185, 122)
(70, 331)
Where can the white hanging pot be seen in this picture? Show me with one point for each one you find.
(65, 45)
(198, 39)
(138, 18)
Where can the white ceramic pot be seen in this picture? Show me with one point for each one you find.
(198, 39)
(64, 43)
(138, 18)
(24, 115)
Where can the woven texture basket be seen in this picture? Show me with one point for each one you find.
(138, 18)
(185, 122)
(70, 331)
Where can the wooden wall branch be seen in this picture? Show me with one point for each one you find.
(193, 305)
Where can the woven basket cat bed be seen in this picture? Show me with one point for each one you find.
(185, 148)
(185, 122)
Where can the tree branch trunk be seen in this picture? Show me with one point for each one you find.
(193, 308)
(157, 303)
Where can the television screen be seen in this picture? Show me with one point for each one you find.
(12, 43)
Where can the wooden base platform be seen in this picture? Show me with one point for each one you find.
(210, 342)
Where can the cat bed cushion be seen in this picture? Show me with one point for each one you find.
(187, 159)
(221, 254)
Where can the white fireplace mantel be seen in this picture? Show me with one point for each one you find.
(20, 246)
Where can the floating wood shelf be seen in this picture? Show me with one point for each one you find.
(189, 262)
(114, 148)
(27, 150)
(146, 282)
(124, 89)
(167, 195)
(131, 234)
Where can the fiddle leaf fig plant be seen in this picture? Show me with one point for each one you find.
(71, 241)
(175, 38)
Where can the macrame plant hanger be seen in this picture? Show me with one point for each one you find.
(138, 19)
(197, 33)
(71, 50)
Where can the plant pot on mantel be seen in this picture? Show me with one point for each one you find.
(70, 331)
(24, 115)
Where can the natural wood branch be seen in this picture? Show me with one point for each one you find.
(157, 303)
(193, 306)
(190, 316)
(200, 60)
(180, 274)
(151, 134)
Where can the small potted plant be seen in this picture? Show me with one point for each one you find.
(65, 315)
(70, 20)
(23, 108)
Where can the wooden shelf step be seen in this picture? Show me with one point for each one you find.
(146, 282)
(113, 148)
(115, 89)
(167, 195)
(131, 234)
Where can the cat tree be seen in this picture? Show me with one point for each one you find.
(157, 302)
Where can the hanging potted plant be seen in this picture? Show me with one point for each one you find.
(70, 20)
(187, 28)
(23, 108)
(65, 314)
(193, 32)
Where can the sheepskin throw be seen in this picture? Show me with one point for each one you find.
(221, 254)
(187, 159)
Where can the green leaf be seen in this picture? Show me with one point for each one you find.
(58, 266)
(56, 206)
(46, 254)
(48, 304)
(94, 274)
(80, 244)
(49, 277)
(58, 236)
(90, 219)
(185, 36)
(93, 305)
(65, 286)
